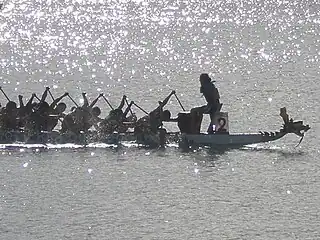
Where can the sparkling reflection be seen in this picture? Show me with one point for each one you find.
(68, 40)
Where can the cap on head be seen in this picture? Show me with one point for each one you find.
(11, 105)
(166, 115)
(61, 107)
(204, 77)
(44, 105)
(96, 111)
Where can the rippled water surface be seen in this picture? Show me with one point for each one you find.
(263, 54)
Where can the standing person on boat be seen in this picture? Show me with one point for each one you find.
(81, 119)
(153, 121)
(212, 96)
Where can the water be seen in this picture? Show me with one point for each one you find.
(263, 56)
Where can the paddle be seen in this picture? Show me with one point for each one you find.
(53, 101)
(129, 107)
(179, 102)
(75, 103)
(107, 102)
(4, 94)
(141, 108)
(37, 98)
(51, 95)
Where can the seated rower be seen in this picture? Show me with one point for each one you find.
(56, 112)
(41, 118)
(81, 119)
(25, 110)
(117, 120)
(153, 121)
(90, 114)
(8, 117)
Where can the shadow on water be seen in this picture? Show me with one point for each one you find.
(220, 151)
(214, 156)
(208, 157)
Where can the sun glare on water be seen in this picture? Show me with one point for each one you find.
(53, 42)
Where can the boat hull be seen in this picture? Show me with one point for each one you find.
(226, 140)
(229, 139)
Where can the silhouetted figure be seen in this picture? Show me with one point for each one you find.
(81, 119)
(117, 120)
(8, 117)
(153, 121)
(212, 96)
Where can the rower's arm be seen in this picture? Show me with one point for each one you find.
(85, 100)
(122, 102)
(161, 110)
(57, 100)
(30, 100)
(44, 95)
(124, 115)
(96, 100)
(21, 101)
(166, 100)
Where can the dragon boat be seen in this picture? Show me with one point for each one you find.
(218, 134)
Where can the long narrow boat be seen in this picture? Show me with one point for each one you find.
(185, 137)
(231, 140)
